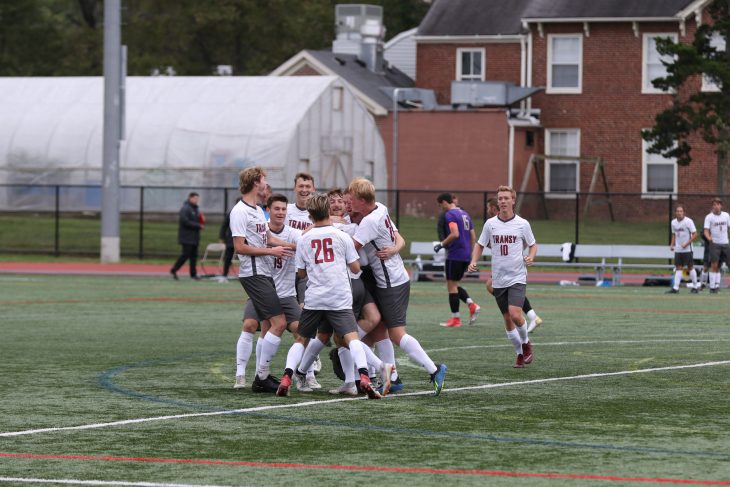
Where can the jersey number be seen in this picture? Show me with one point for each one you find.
(323, 251)
(467, 225)
(389, 226)
(278, 263)
(504, 250)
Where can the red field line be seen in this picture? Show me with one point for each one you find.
(369, 468)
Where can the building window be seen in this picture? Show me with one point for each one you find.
(470, 64)
(338, 95)
(564, 66)
(709, 84)
(659, 174)
(562, 176)
(652, 65)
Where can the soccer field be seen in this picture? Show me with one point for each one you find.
(127, 381)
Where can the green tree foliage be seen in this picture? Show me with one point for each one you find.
(705, 113)
(65, 37)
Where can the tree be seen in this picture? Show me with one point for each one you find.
(696, 112)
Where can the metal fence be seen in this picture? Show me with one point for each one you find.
(65, 219)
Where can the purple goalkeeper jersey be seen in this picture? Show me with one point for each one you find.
(459, 249)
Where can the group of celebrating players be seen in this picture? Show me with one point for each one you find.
(327, 267)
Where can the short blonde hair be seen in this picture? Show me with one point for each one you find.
(507, 188)
(249, 177)
(363, 189)
(318, 206)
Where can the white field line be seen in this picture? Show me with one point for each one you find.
(99, 482)
(338, 400)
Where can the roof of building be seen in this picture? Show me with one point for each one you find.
(499, 17)
(355, 72)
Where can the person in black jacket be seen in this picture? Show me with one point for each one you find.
(191, 221)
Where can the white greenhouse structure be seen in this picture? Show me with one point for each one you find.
(182, 132)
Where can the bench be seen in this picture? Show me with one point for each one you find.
(609, 258)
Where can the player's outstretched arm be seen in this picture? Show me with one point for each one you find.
(388, 252)
(277, 242)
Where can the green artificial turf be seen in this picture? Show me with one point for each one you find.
(79, 351)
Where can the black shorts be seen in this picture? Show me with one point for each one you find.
(393, 304)
(360, 297)
(340, 321)
(289, 305)
(683, 259)
(719, 252)
(455, 269)
(262, 292)
(510, 296)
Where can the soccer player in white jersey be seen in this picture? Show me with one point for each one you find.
(283, 272)
(683, 234)
(377, 234)
(325, 255)
(717, 224)
(507, 234)
(296, 213)
(254, 244)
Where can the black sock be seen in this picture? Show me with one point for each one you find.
(463, 295)
(454, 302)
(526, 307)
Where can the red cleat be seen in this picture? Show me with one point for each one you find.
(367, 387)
(520, 362)
(284, 385)
(527, 352)
(453, 322)
(474, 310)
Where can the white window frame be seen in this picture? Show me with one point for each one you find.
(644, 174)
(549, 162)
(482, 52)
(709, 85)
(646, 86)
(564, 90)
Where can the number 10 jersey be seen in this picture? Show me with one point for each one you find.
(507, 239)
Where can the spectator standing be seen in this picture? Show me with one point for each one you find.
(717, 223)
(190, 222)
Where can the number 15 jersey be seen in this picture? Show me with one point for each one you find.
(507, 239)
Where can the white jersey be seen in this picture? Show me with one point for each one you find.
(683, 230)
(718, 225)
(325, 253)
(507, 239)
(284, 270)
(250, 222)
(349, 228)
(376, 232)
(297, 217)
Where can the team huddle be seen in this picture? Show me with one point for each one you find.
(340, 251)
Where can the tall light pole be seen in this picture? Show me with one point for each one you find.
(110, 251)
(394, 158)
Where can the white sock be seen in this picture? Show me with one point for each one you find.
(387, 354)
(455, 315)
(259, 342)
(243, 351)
(693, 276)
(704, 276)
(268, 350)
(514, 337)
(312, 350)
(358, 354)
(531, 315)
(374, 363)
(294, 356)
(348, 366)
(714, 280)
(414, 350)
(360, 332)
(469, 301)
(522, 330)
(677, 279)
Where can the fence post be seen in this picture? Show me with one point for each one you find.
(397, 208)
(141, 222)
(57, 217)
(485, 197)
(670, 218)
(577, 218)
(225, 202)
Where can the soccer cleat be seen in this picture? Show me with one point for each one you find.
(367, 387)
(265, 385)
(345, 389)
(240, 382)
(534, 324)
(174, 274)
(694, 290)
(453, 322)
(672, 291)
(527, 353)
(312, 383)
(396, 385)
(385, 374)
(438, 378)
(317, 366)
(283, 389)
(520, 362)
(301, 381)
(714, 290)
(474, 310)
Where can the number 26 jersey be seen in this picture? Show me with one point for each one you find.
(507, 239)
